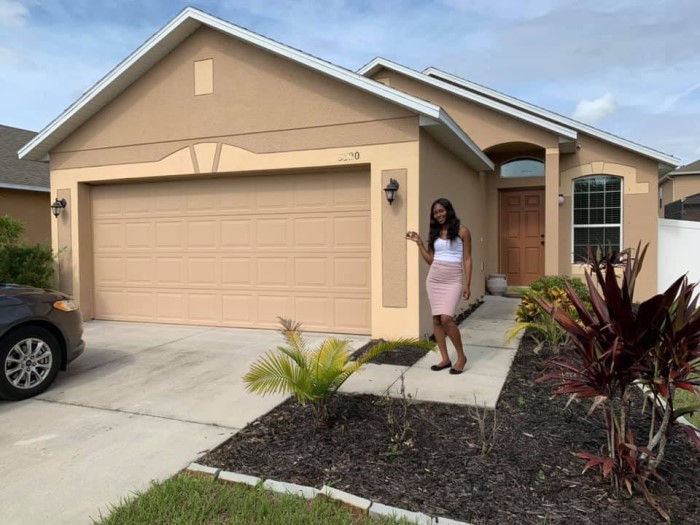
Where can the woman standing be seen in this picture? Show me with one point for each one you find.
(449, 255)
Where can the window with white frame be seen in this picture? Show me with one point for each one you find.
(597, 212)
(522, 167)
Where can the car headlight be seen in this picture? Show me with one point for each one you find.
(66, 305)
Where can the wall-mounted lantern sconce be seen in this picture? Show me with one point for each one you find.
(57, 206)
(391, 190)
(561, 199)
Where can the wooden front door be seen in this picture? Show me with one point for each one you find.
(521, 235)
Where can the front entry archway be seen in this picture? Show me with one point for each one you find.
(521, 242)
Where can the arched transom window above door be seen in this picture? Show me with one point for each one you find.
(597, 214)
(522, 167)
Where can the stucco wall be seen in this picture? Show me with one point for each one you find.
(667, 187)
(32, 208)
(260, 102)
(685, 186)
(679, 187)
(443, 175)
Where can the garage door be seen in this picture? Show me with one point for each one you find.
(235, 251)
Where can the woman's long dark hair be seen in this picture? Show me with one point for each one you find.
(452, 222)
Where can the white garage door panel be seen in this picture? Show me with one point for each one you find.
(236, 252)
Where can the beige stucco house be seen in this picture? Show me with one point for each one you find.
(679, 184)
(217, 177)
(24, 187)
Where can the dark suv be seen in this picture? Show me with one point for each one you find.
(40, 332)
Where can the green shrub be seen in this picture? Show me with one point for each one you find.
(10, 230)
(530, 316)
(21, 263)
(28, 265)
(552, 289)
(559, 281)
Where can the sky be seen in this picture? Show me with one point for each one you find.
(629, 67)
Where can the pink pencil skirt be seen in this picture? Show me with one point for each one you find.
(444, 283)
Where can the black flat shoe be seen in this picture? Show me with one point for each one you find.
(455, 372)
(437, 368)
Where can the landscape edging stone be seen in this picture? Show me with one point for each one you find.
(363, 504)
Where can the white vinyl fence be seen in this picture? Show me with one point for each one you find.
(679, 251)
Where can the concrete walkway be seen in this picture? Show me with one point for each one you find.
(488, 362)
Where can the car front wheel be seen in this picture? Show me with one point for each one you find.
(30, 359)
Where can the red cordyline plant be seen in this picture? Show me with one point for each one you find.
(655, 344)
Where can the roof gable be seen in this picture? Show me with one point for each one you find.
(513, 102)
(381, 63)
(433, 118)
(567, 128)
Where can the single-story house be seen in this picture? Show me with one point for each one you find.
(218, 177)
(24, 186)
(679, 184)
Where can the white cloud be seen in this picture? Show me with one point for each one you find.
(591, 111)
(13, 13)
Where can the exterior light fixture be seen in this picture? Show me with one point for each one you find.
(57, 206)
(561, 199)
(391, 190)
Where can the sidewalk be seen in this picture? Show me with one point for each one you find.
(488, 362)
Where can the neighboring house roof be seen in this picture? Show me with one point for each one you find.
(20, 174)
(689, 169)
(433, 118)
(517, 108)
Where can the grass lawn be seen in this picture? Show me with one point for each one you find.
(683, 399)
(197, 500)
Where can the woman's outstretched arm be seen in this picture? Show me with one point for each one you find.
(425, 253)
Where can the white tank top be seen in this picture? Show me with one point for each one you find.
(449, 251)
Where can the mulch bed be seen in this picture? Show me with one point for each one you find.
(408, 355)
(402, 356)
(530, 476)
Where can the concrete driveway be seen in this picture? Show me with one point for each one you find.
(141, 403)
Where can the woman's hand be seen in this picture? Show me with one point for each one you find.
(413, 236)
(466, 293)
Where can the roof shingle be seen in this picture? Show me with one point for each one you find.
(15, 171)
(688, 169)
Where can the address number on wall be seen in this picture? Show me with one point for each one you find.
(349, 156)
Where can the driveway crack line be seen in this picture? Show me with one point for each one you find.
(132, 413)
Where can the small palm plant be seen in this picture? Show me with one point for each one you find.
(313, 375)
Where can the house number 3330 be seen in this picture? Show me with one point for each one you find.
(349, 156)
